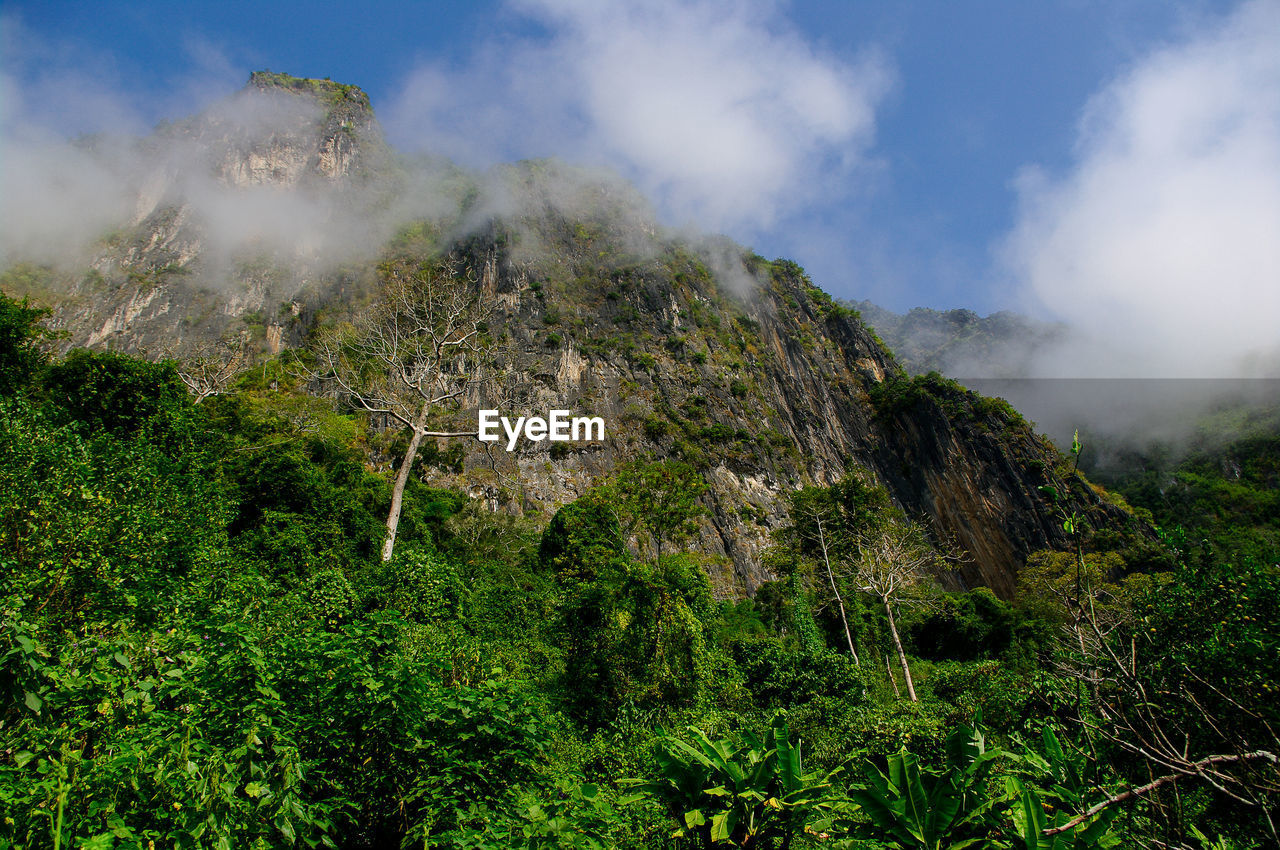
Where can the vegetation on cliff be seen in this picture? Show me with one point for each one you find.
(204, 647)
(796, 597)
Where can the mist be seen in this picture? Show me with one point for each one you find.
(238, 179)
(720, 112)
(1152, 252)
(1160, 245)
(1152, 261)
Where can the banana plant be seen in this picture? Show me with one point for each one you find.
(1064, 776)
(748, 791)
(1064, 783)
(927, 810)
(1032, 820)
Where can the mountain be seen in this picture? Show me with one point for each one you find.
(960, 342)
(1133, 426)
(280, 211)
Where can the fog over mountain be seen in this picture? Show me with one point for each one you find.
(1149, 253)
(1153, 240)
(1158, 246)
(1001, 355)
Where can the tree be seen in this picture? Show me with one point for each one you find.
(633, 631)
(892, 560)
(1181, 670)
(862, 542)
(581, 536)
(1182, 690)
(417, 354)
(209, 368)
(661, 498)
(20, 336)
(817, 523)
(114, 392)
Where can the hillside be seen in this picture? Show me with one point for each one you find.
(960, 343)
(263, 587)
(689, 347)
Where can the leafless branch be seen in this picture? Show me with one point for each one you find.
(422, 353)
(1200, 768)
(209, 368)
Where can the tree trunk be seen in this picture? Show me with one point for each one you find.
(397, 491)
(844, 620)
(902, 656)
(888, 668)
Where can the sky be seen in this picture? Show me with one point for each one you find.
(1113, 164)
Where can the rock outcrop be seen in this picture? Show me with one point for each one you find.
(693, 349)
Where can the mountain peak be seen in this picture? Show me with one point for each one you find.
(289, 131)
(326, 90)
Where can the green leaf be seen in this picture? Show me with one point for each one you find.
(944, 804)
(33, 701)
(722, 826)
(1029, 819)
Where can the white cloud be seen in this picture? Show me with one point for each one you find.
(719, 110)
(58, 196)
(1163, 240)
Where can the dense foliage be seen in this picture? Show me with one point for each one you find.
(203, 648)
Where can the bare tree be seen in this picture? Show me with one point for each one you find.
(209, 367)
(415, 356)
(1175, 723)
(1163, 721)
(819, 530)
(893, 561)
(858, 540)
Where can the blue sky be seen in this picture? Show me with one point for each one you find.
(942, 154)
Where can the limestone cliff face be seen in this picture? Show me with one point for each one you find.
(764, 390)
(237, 214)
(702, 351)
(296, 131)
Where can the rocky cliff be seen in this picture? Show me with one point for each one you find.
(688, 347)
(240, 217)
(765, 384)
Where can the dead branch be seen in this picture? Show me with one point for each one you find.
(1194, 769)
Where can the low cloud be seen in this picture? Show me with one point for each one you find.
(720, 111)
(1161, 245)
(74, 162)
(59, 198)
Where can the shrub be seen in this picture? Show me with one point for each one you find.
(743, 791)
(781, 678)
(20, 334)
(114, 392)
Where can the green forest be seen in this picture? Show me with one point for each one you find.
(205, 647)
